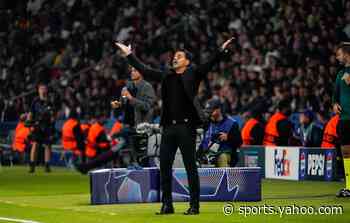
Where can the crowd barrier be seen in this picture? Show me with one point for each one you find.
(291, 163)
(110, 186)
(287, 163)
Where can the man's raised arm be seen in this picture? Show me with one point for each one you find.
(203, 69)
(145, 70)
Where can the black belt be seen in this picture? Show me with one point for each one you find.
(181, 121)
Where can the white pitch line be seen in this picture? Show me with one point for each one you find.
(17, 220)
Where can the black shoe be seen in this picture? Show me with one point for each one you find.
(82, 169)
(343, 193)
(47, 168)
(31, 167)
(166, 209)
(31, 170)
(192, 211)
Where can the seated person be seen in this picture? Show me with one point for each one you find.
(308, 134)
(21, 140)
(73, 137)
(222, 137)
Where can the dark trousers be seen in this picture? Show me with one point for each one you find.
(343, 131)
(184, 137)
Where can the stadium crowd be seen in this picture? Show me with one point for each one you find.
(284, 50)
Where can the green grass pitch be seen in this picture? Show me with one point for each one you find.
(63, 196)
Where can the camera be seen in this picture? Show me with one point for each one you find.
(123, 100)
(215, 137)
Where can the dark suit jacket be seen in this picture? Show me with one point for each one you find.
(143, 101)
(191, 80)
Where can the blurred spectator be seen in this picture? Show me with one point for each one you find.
(330, 134)
(283, 49)
(253, 130)
(222, 137)
(20, 140)
(137, 99)
(136, 104)
(278, 129)
(308, 134)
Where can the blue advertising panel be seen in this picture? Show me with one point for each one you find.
(220, 184)
(317, 164)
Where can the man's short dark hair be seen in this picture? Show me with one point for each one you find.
(131, 67)
(73, 113)
(187, 53)
(345, 47)
(42, 83)
(258, 107)
(213, 104)
(284, 104)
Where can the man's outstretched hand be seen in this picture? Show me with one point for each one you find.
(126, 50)
(116, 104)
(227, 43)
(337, 108)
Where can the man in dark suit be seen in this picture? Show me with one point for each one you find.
(136, 103)
(181, 113)
(138, 95)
